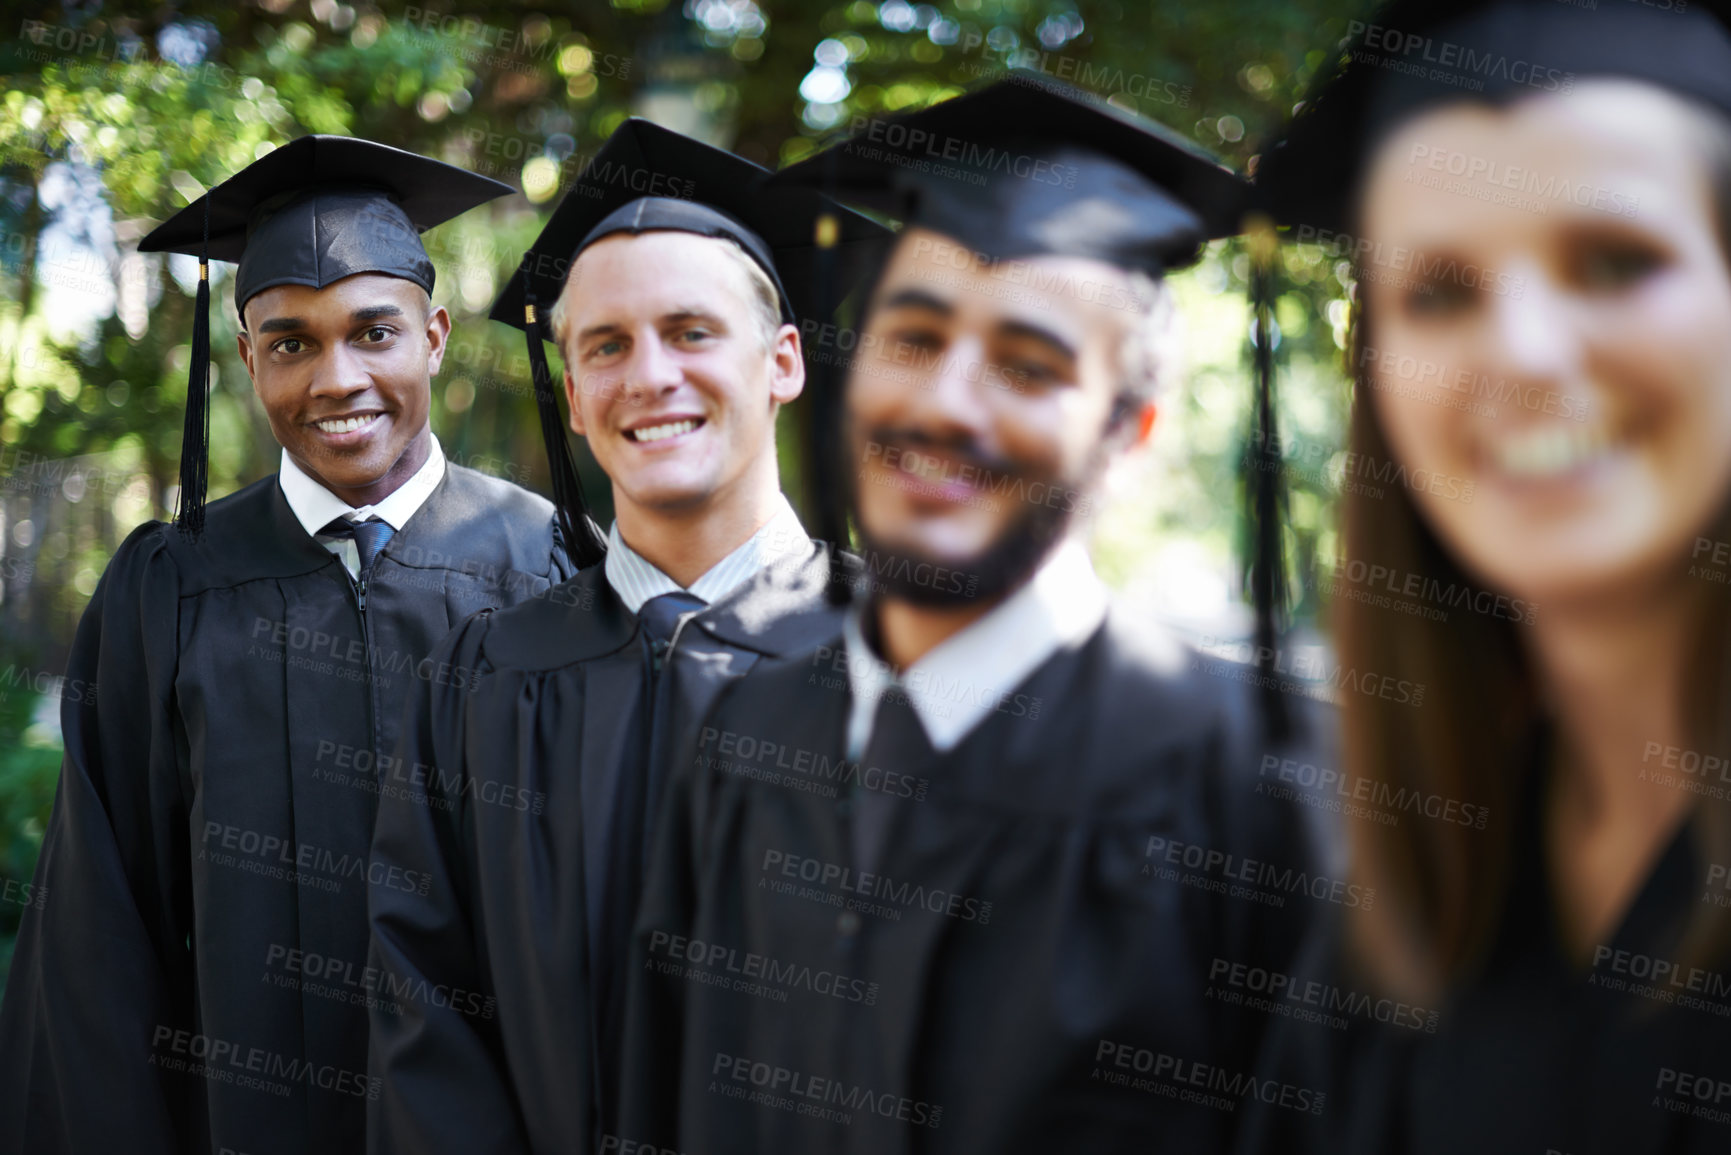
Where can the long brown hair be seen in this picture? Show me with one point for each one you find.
(1442, 886)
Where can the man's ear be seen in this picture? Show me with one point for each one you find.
(1131, 424)
(243, 343)
(438, 335)
(1145, 417)
(787, 366)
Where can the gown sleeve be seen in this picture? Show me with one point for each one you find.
(444, 1083)
(100, 983)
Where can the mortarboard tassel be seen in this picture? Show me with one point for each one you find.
(1267, 560)
(827, 409)
(195, 432)
(583, 538)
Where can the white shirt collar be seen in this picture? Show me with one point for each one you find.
(635, 579)
(315, 507)
(970, 675)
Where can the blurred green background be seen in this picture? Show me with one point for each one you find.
(109, 123)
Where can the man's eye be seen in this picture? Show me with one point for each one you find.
(695, 336)
(288, 345)
(606, 349)
(1437, 299)
(918, 338)
(1030, 372)
(1612, 267)
(376, 334)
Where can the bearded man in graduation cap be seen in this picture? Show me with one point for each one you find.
(198, 982)
(675, 313)
(912, 891)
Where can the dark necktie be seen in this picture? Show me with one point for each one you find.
(370, 537)
(660, 617)
(897, 743)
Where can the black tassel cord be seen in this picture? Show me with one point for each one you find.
(195, 432)
(1267, 555)
(583, 538)
(828, 408)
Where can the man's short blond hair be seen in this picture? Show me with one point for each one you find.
(765, 301)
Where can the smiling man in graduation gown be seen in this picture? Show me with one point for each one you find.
(960, 879)
(196, 983)
(676, 318)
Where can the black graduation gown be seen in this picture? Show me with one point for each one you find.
(1020, 962)
(1533, 1055)
(192, 985)
(527, 779)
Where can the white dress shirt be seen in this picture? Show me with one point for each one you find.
(635, 579)
(961, 681)
(315, 506)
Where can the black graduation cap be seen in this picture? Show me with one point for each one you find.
(1029, 165)
(648, 178)
(1412, 54)
(312, 212)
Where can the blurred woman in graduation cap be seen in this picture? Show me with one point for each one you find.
(198, 981)
(1537, 197)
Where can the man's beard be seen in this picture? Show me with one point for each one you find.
(1007, 562)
